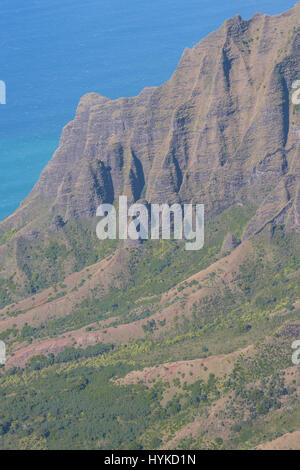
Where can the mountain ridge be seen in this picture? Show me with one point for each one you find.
(194, 348)
(175, 144)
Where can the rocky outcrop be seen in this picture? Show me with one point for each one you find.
(229, 243)
(221, 131)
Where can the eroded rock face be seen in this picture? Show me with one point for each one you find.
(57, 224)
(229, 244)
(221, 131)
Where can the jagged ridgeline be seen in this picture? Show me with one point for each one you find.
(222, 131)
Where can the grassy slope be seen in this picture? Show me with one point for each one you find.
(73, 400)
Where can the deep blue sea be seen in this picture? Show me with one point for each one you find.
(54, 51)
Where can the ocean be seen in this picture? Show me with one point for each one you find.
(53, 52)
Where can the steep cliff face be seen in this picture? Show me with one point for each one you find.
(221, 131)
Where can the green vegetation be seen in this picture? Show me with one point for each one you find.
(74, 399)
(7, 236)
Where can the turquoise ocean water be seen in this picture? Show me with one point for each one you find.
(53, 52)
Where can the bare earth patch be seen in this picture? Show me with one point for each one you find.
(290, 441)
